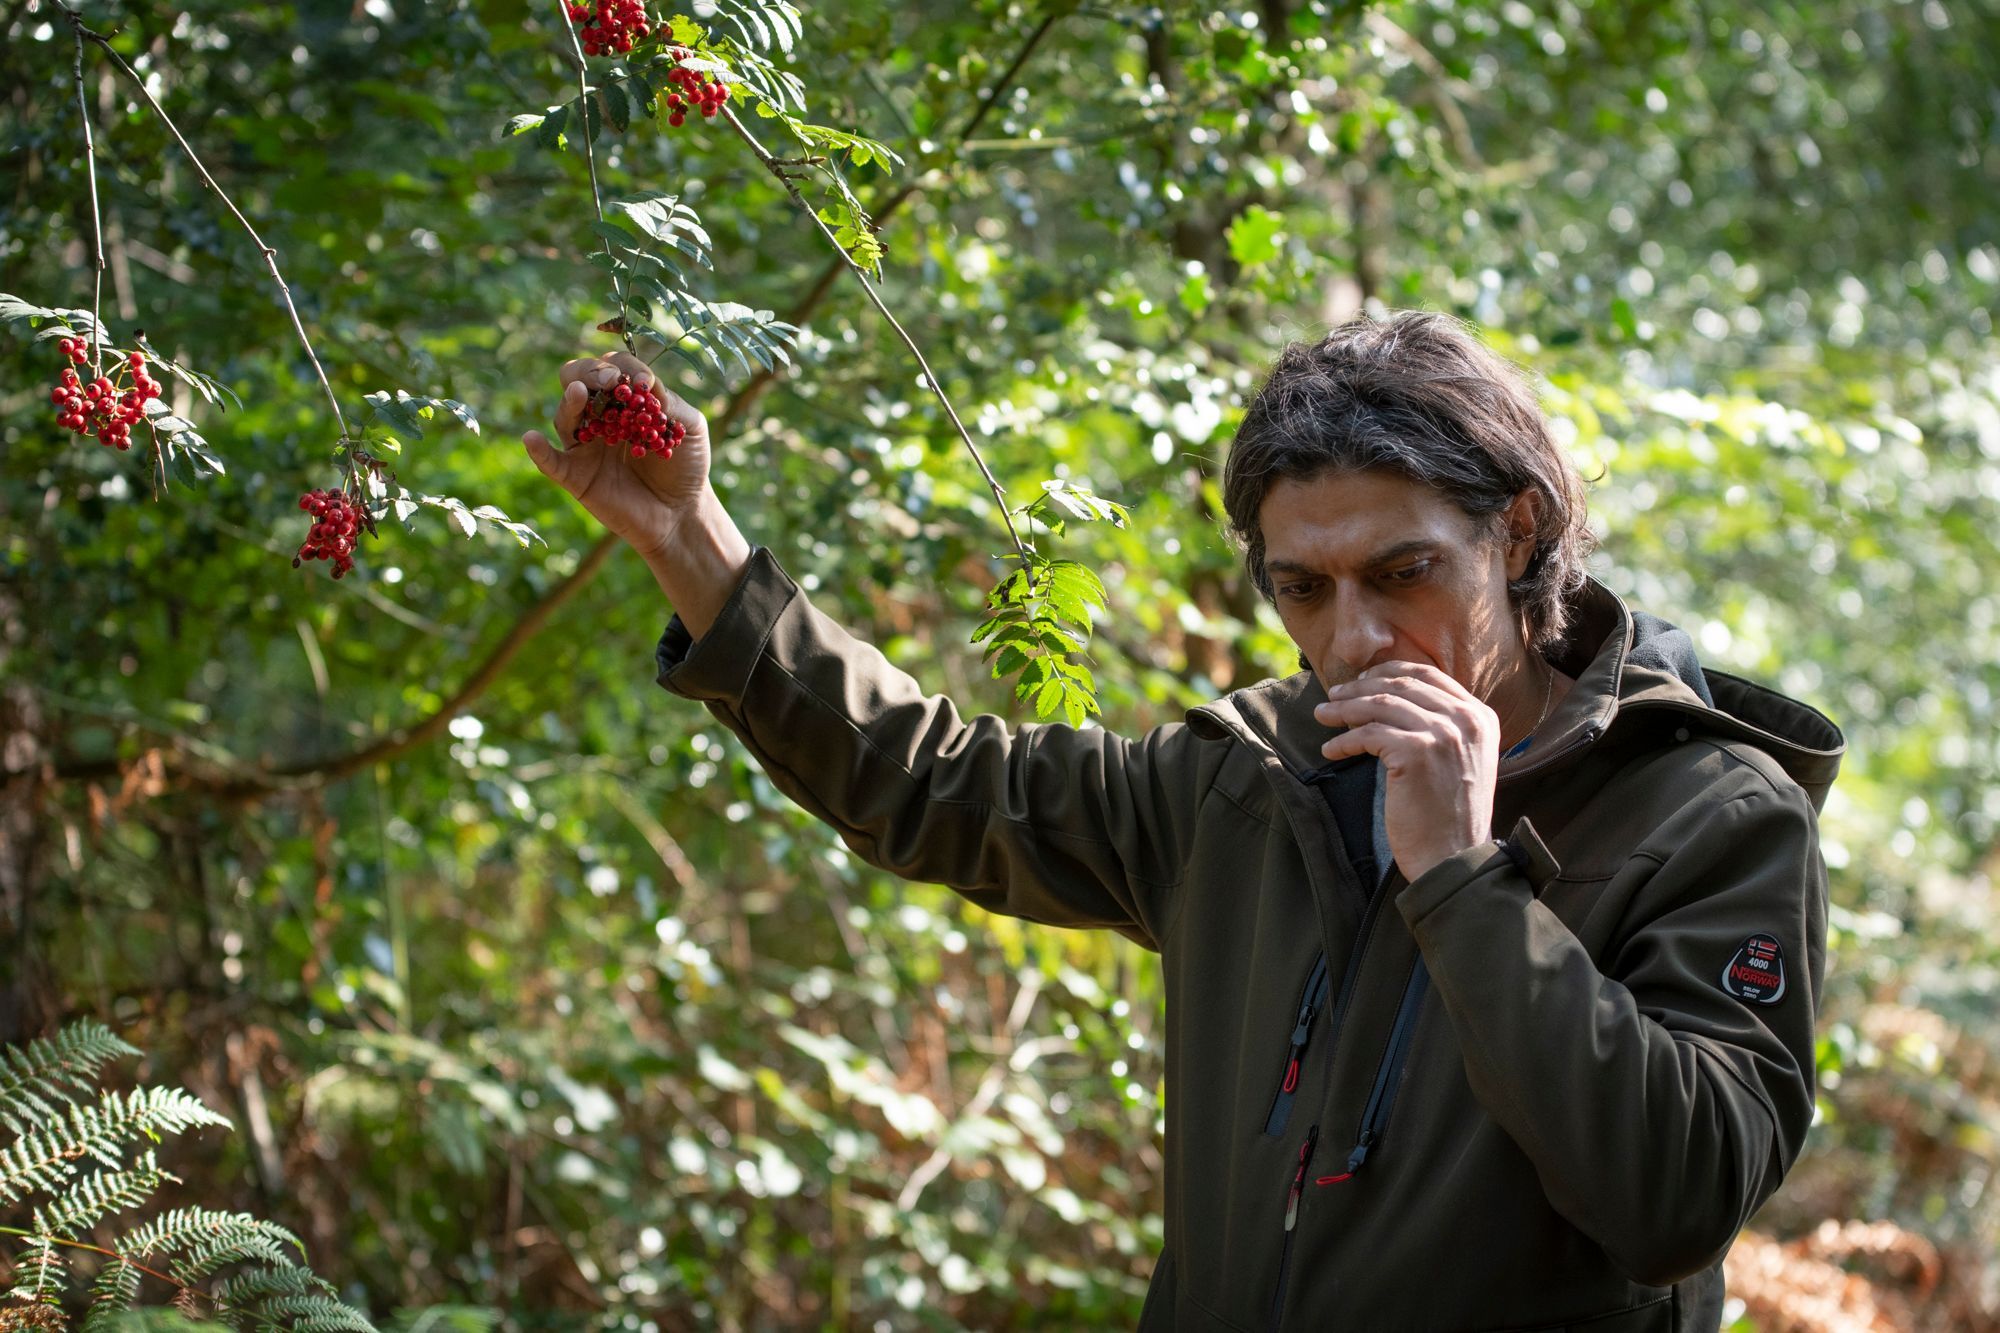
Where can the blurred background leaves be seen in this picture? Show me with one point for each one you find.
(559, 1010)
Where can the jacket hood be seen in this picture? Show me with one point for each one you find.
(1625, 663)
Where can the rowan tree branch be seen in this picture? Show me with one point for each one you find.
(590, 159)
(85, 33)
(254, 784)
(772, 164)
(96, 216)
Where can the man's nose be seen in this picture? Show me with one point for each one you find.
(1359, 640)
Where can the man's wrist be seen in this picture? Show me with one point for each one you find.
(700, 562)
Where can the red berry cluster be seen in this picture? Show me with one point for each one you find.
(99, 407)
(614, 26)
(629, 415)
(336, 527)
(697, 90)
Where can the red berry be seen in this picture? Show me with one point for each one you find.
(337, 520)
(629, 416)
(611, 26)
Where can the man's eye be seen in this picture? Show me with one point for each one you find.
(1409, 573)
(1295, 589)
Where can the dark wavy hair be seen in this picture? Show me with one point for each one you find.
(1416, 393)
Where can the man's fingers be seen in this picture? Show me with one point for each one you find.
(627, 364)
(1393, 709)
(1418, 671)
(1428, 688)
(593, 372)
(677, 407)
(1417, 691)
(1376, 738)
(574, 398)
(554, 465)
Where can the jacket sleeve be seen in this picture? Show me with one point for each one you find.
(1658, 1109)
(1067, 826)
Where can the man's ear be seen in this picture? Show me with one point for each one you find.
(1519, 524)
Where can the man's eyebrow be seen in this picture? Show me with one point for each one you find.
(1386, 556)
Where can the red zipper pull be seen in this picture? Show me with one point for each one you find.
(1299, 1179)
(1291, 1075)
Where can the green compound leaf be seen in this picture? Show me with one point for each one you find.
(1010, 659)
(549, 134)
(617, 105)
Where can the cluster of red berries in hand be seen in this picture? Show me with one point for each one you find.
(336, 527)
(697, 90)
(615, 26)
(98, 407)
(630, 416)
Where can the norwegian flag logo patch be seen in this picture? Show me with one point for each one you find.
(1756, 971)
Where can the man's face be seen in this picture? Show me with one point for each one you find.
(1371, 567)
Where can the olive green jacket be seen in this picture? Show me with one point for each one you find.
(1542, 1087)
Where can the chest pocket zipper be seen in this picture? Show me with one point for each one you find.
(1374, 1120)
(1388, 1075)
(1317, 985)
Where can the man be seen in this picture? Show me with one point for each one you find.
(1492, 940)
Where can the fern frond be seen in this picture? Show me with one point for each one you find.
(40, 1276)
(97, 1195)
(315, 1313)
(183, 1229)
(42, 1160)
(117, 1286)
(34, 1078)
(204, 1240)
(252, 1285)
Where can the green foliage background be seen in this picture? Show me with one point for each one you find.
(552, 1004)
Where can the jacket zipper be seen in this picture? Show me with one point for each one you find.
(1382, 1096)
(1388, 1074)
(1288, 1085)
(1292, 1193)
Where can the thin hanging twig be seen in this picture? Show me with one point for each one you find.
(84, 32)
(96, 219)
(776, 168)
(584, 108)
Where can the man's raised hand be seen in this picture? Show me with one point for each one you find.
(642, 499)
(1439, 747)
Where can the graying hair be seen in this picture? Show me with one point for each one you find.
(1419, 395)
